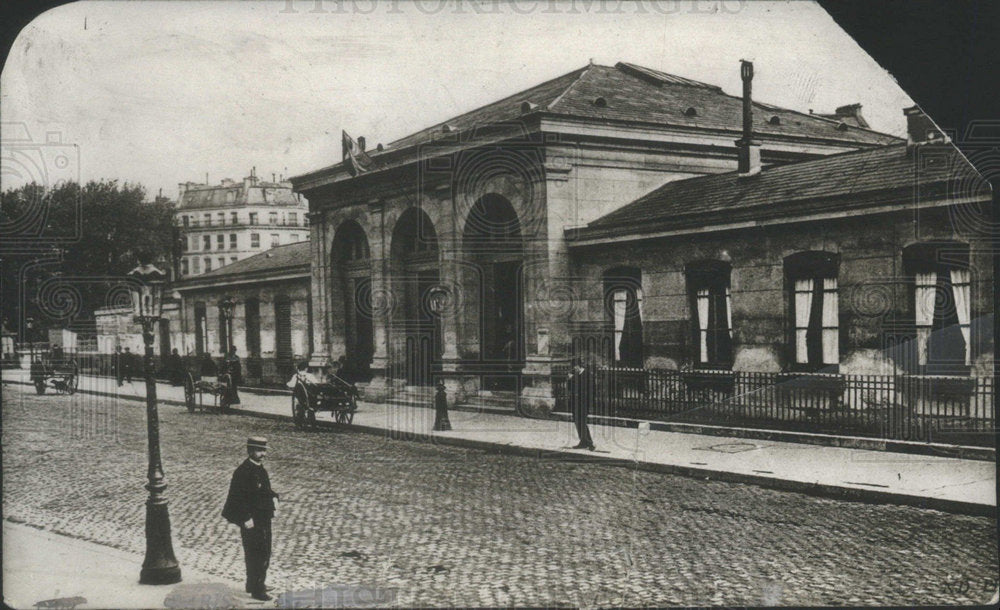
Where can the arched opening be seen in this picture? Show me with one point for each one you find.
(351, 304)
(492, 242)
(417, 344)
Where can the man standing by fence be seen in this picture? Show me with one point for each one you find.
(581, 389)
(118, 363)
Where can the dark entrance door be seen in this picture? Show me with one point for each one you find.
(423, 330)
(361, 342)
(283, 335)
(164, 338)
(503, 326)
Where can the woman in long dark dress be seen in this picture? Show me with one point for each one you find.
(231, 365)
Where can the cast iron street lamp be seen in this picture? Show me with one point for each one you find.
(226, 306)
(160, 566)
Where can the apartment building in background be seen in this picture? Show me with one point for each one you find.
(226, 222)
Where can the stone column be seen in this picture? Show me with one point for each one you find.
(382, 298)
(321, 286)
(551, 294)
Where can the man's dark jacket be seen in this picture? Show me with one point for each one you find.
(582, 391)
(250, 495)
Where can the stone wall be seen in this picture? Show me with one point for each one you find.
(875, 297)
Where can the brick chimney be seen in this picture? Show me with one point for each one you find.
(920, 129)
(361, 143)
(748, 151)
(851, 111)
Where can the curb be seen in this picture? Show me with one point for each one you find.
(966, 452)
(868, 496)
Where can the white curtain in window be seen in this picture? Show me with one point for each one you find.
(803, 308)
(618, 304)
(703, 322)
(729, 312)
(926, 294)
(831, 347)
(960, 286)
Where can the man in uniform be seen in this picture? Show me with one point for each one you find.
(250, 505)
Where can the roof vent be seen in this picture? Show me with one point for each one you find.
(379, 147)
(775, 120)
(692, 111)
(841, 126)
(600, 102)
(446, 128)
(527, 107)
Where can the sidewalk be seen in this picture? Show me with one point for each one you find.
(47, 570)
(943, 483)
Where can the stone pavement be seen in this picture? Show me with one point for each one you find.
(48, 570)
(363, 516)
(944, 483)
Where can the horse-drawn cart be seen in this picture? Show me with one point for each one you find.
(336, 396)
(61, 376)
(220, 391)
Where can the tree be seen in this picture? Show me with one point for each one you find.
(106, 228)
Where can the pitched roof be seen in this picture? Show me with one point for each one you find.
(847, 181)
(637, 94)
(280, 258)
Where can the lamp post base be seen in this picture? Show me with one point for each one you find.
(160, 576)
(160, 566)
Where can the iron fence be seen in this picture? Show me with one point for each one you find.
(956, 410)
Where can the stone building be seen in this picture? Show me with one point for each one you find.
(444, 254)
(270, 320)
(221, 224)
(875, 261)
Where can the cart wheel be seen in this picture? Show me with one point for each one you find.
(299, 409)
(189, 392)
(345, 417)
(40, 387)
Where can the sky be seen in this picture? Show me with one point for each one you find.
(159, 93)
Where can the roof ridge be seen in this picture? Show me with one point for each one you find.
(493, 103)
(579, 77)
(817, 117)
(646, 73)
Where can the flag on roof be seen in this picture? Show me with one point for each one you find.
(357, 159)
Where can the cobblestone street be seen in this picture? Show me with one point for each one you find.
(450, 526)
